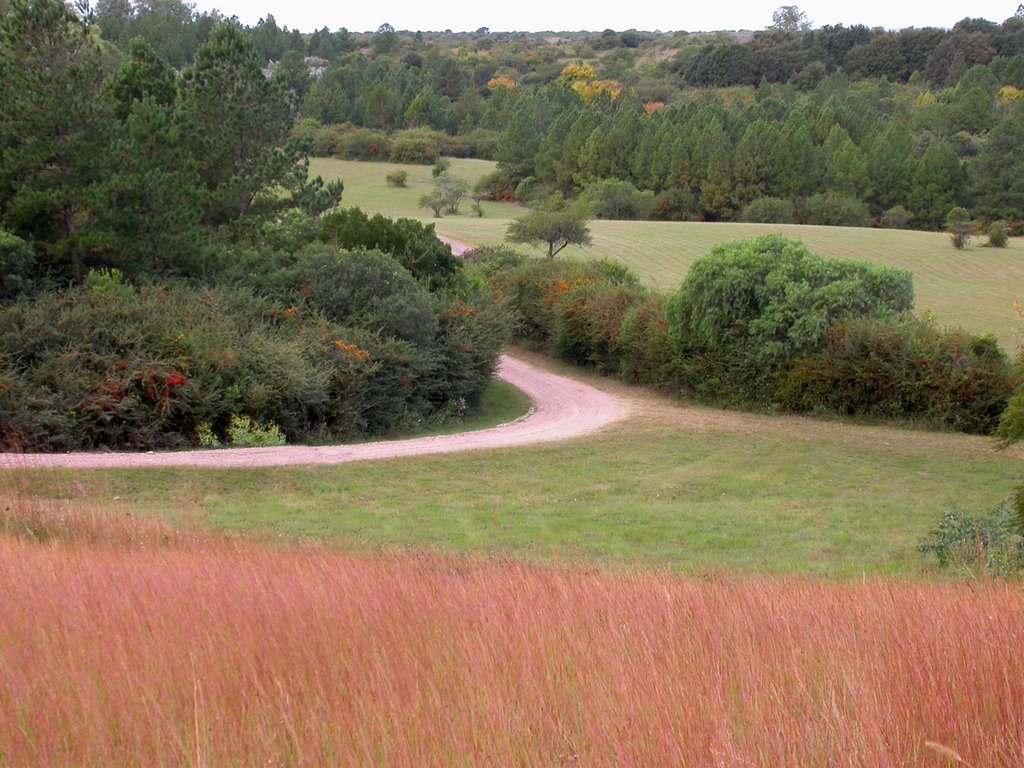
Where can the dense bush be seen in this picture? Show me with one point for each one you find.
(896, 217)
(762, 322)
(481, 144)
(616, 199)
(18, 267)
(907, 370)
(675, 204)
(166, 367)
(143, 369)
(397, 179)
(836, 211)
(419, 147)
(998, 236)
(768, 210)
(367, 289)
(364, 144)
(774, 299)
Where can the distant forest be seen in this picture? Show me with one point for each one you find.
(837, 125)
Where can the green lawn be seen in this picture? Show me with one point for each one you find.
(688, 488)
(975, 288)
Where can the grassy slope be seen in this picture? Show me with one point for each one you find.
(691, 488)
(975, 288)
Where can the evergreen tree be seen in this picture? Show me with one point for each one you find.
(235, 125)
(55, 127)
(997, 173)
(937, 185)
(846, 166)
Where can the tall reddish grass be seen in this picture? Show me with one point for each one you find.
(157, 650)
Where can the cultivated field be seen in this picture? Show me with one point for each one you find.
(133, 645)
(975, 288)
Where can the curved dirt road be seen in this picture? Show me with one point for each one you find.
(562, 408)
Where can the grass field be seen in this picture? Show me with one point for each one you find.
(690, 488)
(975, 288)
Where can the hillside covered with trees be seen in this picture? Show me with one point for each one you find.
(836, 125)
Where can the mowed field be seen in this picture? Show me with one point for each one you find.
(975, 288)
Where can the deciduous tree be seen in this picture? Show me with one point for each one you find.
(558, 229)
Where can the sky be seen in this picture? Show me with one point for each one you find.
(538, 15)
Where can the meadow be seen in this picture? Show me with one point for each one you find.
(975, 288)
(132, 644)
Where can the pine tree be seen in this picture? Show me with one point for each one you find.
(235, 124)
(55, 127)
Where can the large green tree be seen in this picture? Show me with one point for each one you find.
(55, 127)
(235, 124)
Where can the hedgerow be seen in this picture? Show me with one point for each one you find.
(763, 322)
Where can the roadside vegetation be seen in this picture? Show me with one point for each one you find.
(155, 296)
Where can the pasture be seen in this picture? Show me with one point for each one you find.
(975, 288)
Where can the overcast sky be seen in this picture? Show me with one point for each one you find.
(537, 15)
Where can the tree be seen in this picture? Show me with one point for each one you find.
(55, 126)
(959, 225)
(556, 228)
(235, 124)
(451, 190)
(789, 18)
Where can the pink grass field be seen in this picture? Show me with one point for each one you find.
(162, 649)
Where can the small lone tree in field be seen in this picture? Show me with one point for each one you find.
(556, 228)
(434, 202)
(958, 222)
(451, 190)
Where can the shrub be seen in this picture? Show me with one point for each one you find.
(414, 245)
(498, 186)
(675, 204)
(646, 353)
(480, 143)
(746, 309)
(434, 202)
(896, 217)
(368, 289)
(998, 236)
(768, 210)
(243, 432)
(617, 199)
(450, 190)
(143, 370)
(365, 144)
(836, 210)
(959, 226)
(908, 370)
(18, 267)
(397, 179)
(329, 140)
(990, 542)
(418, 146)
(443, 165)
